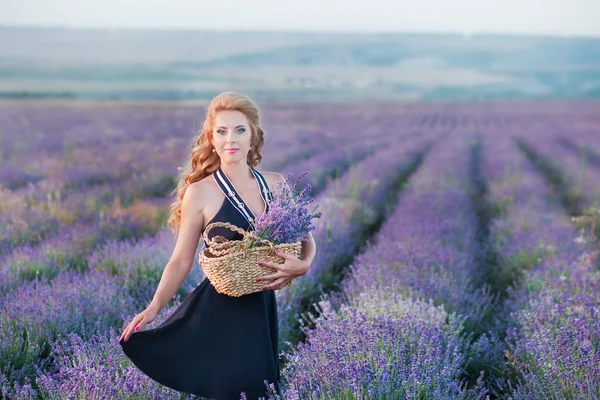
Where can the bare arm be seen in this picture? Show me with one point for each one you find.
(180, 263)
(309, 249)
(182, 259)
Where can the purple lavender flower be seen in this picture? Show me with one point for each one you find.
(96, 368)
(288, 219)
(382, 346)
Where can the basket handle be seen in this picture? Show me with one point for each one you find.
(247, 234)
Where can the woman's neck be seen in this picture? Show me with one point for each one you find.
(237, 172)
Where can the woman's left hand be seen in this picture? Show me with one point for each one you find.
(291, 268)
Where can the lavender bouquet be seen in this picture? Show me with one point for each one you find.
(288, 219)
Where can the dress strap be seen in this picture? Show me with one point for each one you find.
(236, 199)
(264, 187)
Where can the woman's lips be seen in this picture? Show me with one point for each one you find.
(231, 151)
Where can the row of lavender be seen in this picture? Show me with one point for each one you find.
(351, 207)
(549, 317)
(582, 170)
(550, 310)
(571, 159)
(402, 326)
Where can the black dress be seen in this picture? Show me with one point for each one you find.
(215, 345)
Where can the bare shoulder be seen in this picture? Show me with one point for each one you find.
(203, 192)
(208, 197)
(272, 178)
(201, 186)
(208, 183)
(275, 181)
(198, 200)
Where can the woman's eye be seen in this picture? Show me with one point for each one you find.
(222, 131)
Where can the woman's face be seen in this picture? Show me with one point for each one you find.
(231, 135)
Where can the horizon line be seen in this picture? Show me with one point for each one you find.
(465, 34)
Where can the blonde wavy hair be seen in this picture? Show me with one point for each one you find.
(201, 161)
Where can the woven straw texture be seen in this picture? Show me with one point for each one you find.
(232, 268)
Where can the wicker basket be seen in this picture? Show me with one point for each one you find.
(232, 268)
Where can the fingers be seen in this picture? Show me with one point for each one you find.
(137, 327)
(124, 333)
(278, 267)
(276, 284)
(282, 284)
(137, 322)
(279, 279)
(269, 277)
(286, 256)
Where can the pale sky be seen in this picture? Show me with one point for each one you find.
(556, 17)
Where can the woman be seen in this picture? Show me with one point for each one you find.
(215, 345)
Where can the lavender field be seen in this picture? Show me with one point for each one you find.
(457, 254)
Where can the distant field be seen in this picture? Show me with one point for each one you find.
(162, 65)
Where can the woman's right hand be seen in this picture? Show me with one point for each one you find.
(138, 322)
